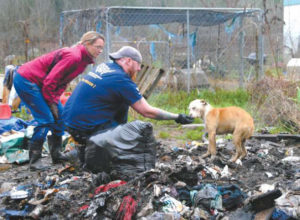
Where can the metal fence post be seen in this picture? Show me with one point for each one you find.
(241, 47)
(261, 45)
(61, 28)
(188, 50)
(107, 35)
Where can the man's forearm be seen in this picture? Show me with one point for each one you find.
(164, 115)
(149, 111)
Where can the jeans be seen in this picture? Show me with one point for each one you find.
(33, 98)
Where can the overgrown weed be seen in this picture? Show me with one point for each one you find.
(276, 103)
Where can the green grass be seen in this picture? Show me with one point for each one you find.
(195, 134)
(178, 102)
(277, 130)
(164, 135)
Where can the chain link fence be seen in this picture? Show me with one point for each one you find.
(191, 44)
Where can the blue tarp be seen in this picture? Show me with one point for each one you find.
(14, 123)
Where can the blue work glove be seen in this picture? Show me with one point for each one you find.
(184, 119)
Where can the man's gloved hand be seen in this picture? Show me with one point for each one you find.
(54, 110)
(184, 119)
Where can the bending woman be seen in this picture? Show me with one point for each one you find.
(40, 83)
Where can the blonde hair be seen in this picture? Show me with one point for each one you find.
(90, 37)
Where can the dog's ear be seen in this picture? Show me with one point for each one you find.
(203, 102)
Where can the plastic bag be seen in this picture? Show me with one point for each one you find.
(127, 149)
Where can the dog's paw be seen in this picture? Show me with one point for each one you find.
(233, 159)
(205, 155)
(213, 157)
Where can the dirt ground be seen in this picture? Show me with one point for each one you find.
(65, 191)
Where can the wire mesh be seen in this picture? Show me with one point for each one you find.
(182, 41)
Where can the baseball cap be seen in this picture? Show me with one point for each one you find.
(127, 51)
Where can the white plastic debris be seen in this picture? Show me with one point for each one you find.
(157, 190)
(291, 159)
(170, 204)
(225, 172)
(220, 142)
(20, 194)
(187, 159)
(213, 172)
(266, 188)
(269, 174)
(180, 184)
(289, 202)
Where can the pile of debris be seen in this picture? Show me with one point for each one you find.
(265, 185)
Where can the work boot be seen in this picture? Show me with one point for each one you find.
(81, 154)
(76, 155)
(55, 143)
(35, 155)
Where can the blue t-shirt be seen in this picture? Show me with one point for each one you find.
(102, 97)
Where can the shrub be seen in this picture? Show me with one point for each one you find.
(275, 101)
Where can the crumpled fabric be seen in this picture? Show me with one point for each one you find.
(279, 215)
(127, 208)
(206, 196)
(232, 196)
(106, 187)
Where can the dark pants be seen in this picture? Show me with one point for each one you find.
(82, 136)
(79, 136)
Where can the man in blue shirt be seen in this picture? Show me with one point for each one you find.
(102, 98)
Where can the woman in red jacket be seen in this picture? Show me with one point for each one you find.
(40, 83)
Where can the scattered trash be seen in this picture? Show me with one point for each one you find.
(66, 168)
(36, 213)
(20, 194)
(225, 172)
(197, 144)
(291, 159)
(266, 188)
(264, 201)
(127, 208)
(169, 204)
(181, 185)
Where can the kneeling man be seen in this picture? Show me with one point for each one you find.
(102, 98)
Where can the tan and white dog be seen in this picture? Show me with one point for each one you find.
(226, 120)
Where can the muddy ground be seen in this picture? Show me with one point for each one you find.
(66, 191)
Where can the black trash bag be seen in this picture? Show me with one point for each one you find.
(126, 150)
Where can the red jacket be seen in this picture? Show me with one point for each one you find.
(53, 71)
